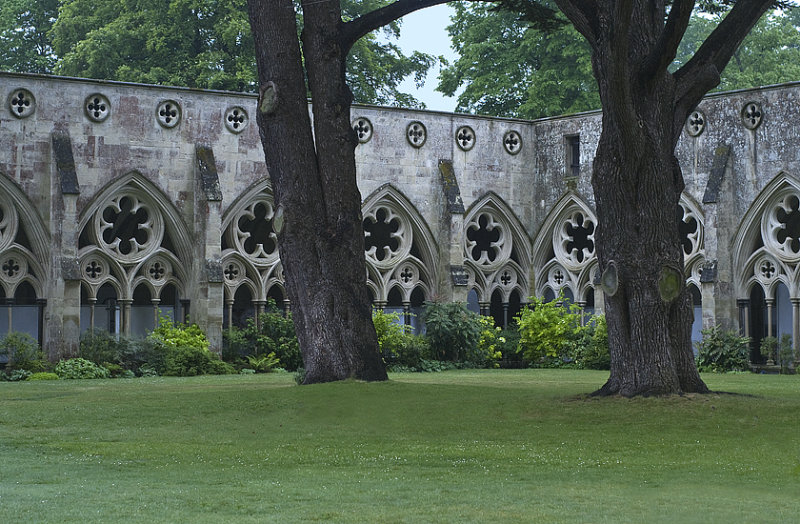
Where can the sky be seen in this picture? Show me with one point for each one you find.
(424, 31)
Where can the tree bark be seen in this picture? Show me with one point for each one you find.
(637, 180)
(320, 237)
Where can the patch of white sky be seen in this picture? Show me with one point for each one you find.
(426, 31)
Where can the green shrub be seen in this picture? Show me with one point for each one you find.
(769, 348)
(391, 331)
(274, 334)
(100, 346)
(17, 375)
(785, 354)
(548, 329)
(721, 351)
(182, 350)
(144, 357)
(592, 345)
(21, 350)
(487, 352)
(263, 363)
(80, 368)
(453, 331)
(43, 376)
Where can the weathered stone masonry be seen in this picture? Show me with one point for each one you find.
(122, 202)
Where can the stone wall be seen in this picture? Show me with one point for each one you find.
(193, 160)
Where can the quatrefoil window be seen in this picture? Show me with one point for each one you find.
(97, 107)
(416, 134)
(22, 103)
(465, 138)
(168, 113)
(236, 119)
(382, 234)
(158, 270)
(696, 123)
(767, 269)
(512, 142)
(256, 231)
(752, 115)
(11, 267)
(232, 272)
(484, 238)
(558, 277)
(126, 224)
(93, 270)
(363, 129)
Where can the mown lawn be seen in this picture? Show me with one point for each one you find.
(472, 446)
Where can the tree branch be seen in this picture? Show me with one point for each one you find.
(701, 73)
(584, 16)
(364, 24)
(666, 48)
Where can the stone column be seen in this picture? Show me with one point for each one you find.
(796, 330)
(156, 302)
(770, 306)
(744, 317)
(229, 308)
(92, 303)
(126, 316)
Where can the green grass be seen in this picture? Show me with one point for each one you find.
(479, 446)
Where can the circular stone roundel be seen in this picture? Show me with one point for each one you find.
(416, 134)
(465, 138)
(512, 142)
(168, 113)
(97, 107)
(363, 128)
(236, 119)
(696, 123)
(752, 115)
(21, 103)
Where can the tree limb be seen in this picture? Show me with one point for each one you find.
(666, 47)
(701, 73)
(584, 16)
(364, 24)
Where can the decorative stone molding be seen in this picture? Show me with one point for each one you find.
(512, 142)
(21, 103)
(168, 113)
(363, 128)
(97, 107)
(236, 119)
(416, 134)
(465, 138)
(696, 123)
(752, 115)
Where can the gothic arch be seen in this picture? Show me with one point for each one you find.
(399, 247)
(692, 233)
(564, 250)
(132, 237)
(766, 247)
(496, 249)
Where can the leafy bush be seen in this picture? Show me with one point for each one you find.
(453, 331)
(548, 329)
(43, 376)
(263, 363)
(141, 356)
(392, 333)
(100, 346)
(721, 351)
(769, 348)
(273, 334)
(487, 353)
(785, 354)
(80, 368)
(592, 345)
(22, 351)
(18, 375)
(189, 361)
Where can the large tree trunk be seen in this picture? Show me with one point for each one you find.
(320, 236)
(637, 185)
